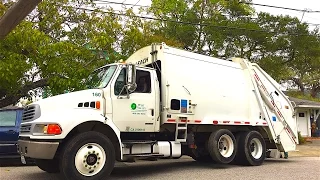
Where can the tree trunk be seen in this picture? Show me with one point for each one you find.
(315, 90)
(298, 82)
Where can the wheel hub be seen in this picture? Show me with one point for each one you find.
(226, 146)
(90, 159)
(256, 148)
(252, 147)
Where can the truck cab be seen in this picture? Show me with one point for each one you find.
(120, 98)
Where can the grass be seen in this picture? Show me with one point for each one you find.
(300, 95)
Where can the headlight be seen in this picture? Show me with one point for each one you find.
(50, 129)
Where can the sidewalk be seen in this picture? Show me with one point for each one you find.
(309, 149)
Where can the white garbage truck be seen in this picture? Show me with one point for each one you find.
(162, 102)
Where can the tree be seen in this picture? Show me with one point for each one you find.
(291, 53)
(138, 33)
(197, 24)
(48, 49)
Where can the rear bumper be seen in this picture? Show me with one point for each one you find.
(37, 150)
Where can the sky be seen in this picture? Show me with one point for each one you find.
(313, 5)
(308, 17)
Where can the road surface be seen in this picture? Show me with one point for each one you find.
(186, 168)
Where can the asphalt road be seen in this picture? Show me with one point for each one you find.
(185, 168)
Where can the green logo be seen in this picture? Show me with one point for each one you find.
(133, 106)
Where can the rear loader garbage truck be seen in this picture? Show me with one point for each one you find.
(162, 102)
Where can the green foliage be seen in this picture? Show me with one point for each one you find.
(48, 49)
(302, 140)
(301, 95)
(192, 35)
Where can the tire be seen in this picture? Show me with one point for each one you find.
(48, 165)
(251, 149)
(89, 155)
(225, 141)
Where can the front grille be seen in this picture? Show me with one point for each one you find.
(31, 112)
(25, 128)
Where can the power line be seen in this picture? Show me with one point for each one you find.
(190, 23)
(279, 7)
(119, 3)
(135, 3)
(255, 4)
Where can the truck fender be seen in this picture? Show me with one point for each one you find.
(79, 119)
(104, 125)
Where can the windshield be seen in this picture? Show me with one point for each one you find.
(101, 77)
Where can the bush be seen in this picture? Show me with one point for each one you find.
(302, 140)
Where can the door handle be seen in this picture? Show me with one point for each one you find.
(152, 112)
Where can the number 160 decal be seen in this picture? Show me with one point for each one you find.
(96, 94)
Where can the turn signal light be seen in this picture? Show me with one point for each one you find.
(98, 104)
(53, 129)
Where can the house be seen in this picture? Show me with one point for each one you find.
(307, 112)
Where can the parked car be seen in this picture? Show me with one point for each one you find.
(10, 120)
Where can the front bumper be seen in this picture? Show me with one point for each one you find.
(37, 150)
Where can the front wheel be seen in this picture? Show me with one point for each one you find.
(88, 155)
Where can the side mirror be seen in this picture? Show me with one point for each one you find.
(131, 78)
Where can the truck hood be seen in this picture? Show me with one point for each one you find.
(68, 101)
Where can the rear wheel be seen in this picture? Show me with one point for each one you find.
(251, 148)
(48, 165)
(222, 146)
(88, 155)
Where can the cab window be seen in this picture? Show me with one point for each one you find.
(143, 80)
(120, 82)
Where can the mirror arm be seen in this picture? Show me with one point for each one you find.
(124, 87)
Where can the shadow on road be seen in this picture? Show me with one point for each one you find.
(158, 168)
(140, 170)
(124, 171)
(14, 162)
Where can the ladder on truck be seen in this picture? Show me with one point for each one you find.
(269, 100)
(181, 127)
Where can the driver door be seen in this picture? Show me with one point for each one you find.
(9, 132)
(136, 113)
